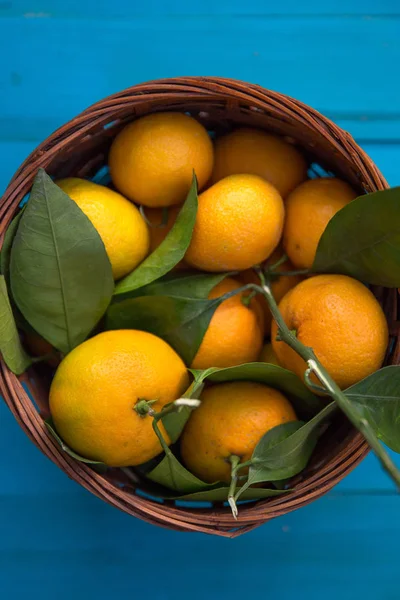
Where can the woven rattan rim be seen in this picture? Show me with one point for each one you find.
(80, 148)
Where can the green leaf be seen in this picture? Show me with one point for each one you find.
(171, 250)
(50, 427)
(183, 285)
(61, 276)
(176, 421)
(172, 474)
(285, 450)
(7, 244)
(220, 494)
(377, 399)
(363, 240)
(5, 257)
(11, 349)
(182, 322)
(305, 403)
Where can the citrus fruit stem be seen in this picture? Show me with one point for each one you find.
(281, 273)
(280, 339)
(247, 299)
(189, 402)
(175, 406)
(234, 460)
(164, 218)
(318, 389)
(328, 384)
(143, 407)
(248, 463)
(277, 264)
(160, 436)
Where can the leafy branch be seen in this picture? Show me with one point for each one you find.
(144, 409)
(327, 383)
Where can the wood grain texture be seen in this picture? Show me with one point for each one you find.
(104, 9)
(57, 58)
(329, 63)
(55, 536)
(94, 552)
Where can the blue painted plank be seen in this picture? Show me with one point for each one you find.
(387, 158)
(12, 155)
(371, 127)
(306, 58)
(106, 9)
(55, 538)
(76, 546)
(367, 129)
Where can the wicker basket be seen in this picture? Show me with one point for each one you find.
(80, 148)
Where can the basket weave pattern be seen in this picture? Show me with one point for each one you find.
(80, 148)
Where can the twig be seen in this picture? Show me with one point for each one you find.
(329, 385)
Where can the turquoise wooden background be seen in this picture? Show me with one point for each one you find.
(57, 57)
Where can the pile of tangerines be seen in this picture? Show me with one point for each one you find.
(257, 208)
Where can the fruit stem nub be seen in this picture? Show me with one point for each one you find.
(143, 407)
(247, 299)
(234, 460)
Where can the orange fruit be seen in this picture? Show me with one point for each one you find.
(235, 333)
(97, 386)
(152, 159)
(268, 355)
(280, 285)
(341, 320)
(239, 223)
(309, 208)
(119, 223)
(158, 230)
(231, 420)
(259, 153)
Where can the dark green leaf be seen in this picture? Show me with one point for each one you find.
(285, 450)
(183, 285)
(171, 250)
(50, 427)
(285, 462)
(172, 474)
(176, 421)
(10, 345)
(220, 494)
(363, 240)
(5, 257)
(61, 276)
(182, 322)
(304, 402)
(377, 399)
(6, 248)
